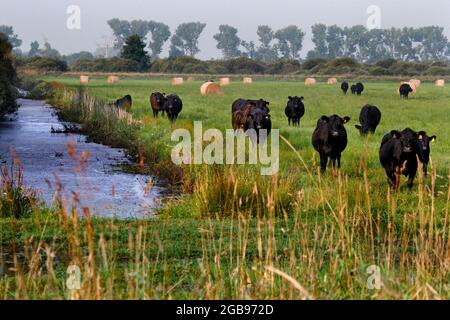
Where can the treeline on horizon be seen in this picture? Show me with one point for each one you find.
(138, 46)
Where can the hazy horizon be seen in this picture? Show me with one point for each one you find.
(47, 20)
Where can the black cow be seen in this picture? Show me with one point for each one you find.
(124, 103)
(404, 90)
(359, 88)
(330, 139)
(369, 117)
(240, 104)
(344, 87)
(157, 101)
(252, 117)
(294, 110)
(173, 106)
(353, 88)
(398, 155)
(424, 144)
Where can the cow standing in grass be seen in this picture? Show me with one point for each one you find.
(124, 103)
(157, 101)
(330, 139)
(369, 118)
(251, 117)
(344, 87)
(424, 144)
(173, 106)
(404, 90)
(294, 110)
(398, 155)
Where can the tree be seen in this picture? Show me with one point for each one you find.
(160, 33)
(319, 38)
(185, 40)
(123, 29)
(250, 49)
(266, 52)
(12, 38)
(74, 57)
(335, 41)
(228, 41)
(7, 78)
(433, 43)
(49, 52)
(290, 42)
(134, 49)
(34, 49)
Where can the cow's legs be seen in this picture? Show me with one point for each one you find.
(425, 169)
(323, 162)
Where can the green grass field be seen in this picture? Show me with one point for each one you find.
(233, 233)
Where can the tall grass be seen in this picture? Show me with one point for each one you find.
(320, 250)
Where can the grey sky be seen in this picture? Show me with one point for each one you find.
(39, 19)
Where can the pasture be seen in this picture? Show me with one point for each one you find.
(233, 233)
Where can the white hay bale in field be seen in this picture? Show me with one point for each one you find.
(224, 82)
(310, 81)
(177, 81)
(332, 81)
(112, 79)
(411, 84)
(248, 80)
(210, 88)
(440, 83)
(84, 79)
(417, 82)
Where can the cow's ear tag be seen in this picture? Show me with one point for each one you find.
(433, 139)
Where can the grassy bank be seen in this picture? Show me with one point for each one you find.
(237, 234)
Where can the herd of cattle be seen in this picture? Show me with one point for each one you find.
(399, 152)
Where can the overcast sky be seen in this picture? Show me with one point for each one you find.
(46, 19)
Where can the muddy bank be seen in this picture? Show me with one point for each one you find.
(55, 162)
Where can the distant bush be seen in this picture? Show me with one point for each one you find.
(437, 71)
(44, 64)
(283, 67)
(313, 63)
(244, 66)
(105, 65)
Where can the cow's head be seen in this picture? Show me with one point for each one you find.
(336, 124)
(424, 140)
(258, 119)
(296, 100)
(160, 98)
(407, 140)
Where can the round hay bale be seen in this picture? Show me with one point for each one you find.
(411, 84)
(190, 79)
(417, 82)
(248, 80)
(332, 81)
(310, 81)
(224, 82)
(84, 79)
(440, 83)
(177, 81)
(112, 79)
(210, 88)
